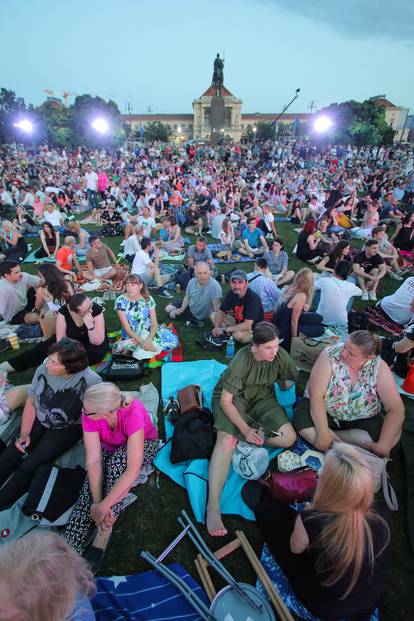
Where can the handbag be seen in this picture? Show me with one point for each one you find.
(304, 351)
(122, 367)
(378, 467)
(190, 398)
(288, 487)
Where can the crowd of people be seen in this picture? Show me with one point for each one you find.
(353, 207)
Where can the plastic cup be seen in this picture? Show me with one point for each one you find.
(14, 341)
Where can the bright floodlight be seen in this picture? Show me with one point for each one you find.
(101, 126)
(322, 124)
(25, 125)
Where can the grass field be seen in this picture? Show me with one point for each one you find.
(150, 523)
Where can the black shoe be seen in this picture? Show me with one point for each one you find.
(163, 293)
(172, 410)
(217, 341)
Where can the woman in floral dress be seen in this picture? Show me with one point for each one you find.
(141, 334)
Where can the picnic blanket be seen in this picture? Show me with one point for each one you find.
(32, 259)
(193, 475)
(286, 592)
(166, 256)
(381, 320)
(144, 597)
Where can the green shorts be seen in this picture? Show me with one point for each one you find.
(266, 413)
(303, 420)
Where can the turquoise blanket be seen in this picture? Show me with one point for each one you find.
(193, 475)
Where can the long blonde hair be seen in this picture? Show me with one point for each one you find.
(44, 576)
(302, 283)
(345, 494)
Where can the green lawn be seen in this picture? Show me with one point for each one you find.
(150, 523)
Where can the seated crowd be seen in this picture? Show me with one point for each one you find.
(355, 209)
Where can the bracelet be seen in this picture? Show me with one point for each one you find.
(90, 329)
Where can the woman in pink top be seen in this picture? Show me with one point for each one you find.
(121, 443)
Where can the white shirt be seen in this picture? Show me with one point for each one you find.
(6, 198)
(53, 217)
(141, 262)
(397, 305)
(92, 181)
(13, 297)
(335, 295)
(147, 223)
(131, 245)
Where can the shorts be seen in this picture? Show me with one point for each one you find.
(303, 420)
(101, 271)
(4, 408)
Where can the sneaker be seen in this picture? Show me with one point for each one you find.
(163, 293)
(365, 296)
(395, 276)
(217, 341)
(373, 296)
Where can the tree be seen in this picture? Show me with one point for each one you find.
(56, 123)
(82, 113)
(157, 131)
(11, 109)
(359, 123)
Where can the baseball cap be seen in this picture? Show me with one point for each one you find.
(238, 275)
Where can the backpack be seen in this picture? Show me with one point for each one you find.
(194, 436)
(53, 493)
(182, 277)
(358, 320)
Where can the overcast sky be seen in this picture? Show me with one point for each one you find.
(161, 53)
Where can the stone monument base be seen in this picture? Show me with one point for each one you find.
(217, 118)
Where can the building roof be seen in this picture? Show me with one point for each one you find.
(270, 116)
(156, 117)
(211, 91)
(382, 101)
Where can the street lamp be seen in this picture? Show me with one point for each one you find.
(100, 125)
(25, 126)
(179, 130)
(322, 124)
(254, 132)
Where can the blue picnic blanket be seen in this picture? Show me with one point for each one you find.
(193, 475)
(147, 596)
(32, 259)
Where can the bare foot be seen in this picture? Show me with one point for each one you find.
(214, 524)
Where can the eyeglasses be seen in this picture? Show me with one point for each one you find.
(88, 413)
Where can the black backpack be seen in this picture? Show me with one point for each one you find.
(358, 320)
(194, 436)
(182, 277)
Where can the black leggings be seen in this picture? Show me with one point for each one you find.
(36, 356)
(45, 446)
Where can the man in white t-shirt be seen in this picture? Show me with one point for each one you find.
(17, 294)
(145, 265)
(146, 221)
(400, 305)
(336, 293)
(91, 186)
(132, 244)
(53, 216)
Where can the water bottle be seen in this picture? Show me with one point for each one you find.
(230, 348)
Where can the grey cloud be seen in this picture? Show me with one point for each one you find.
(389, 19)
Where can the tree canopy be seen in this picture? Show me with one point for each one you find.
(358, 123)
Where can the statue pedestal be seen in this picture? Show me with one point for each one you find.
(217, 118)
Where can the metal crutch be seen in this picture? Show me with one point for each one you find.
(211, 559)
(198, 605)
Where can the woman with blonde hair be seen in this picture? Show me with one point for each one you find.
(41, 579)
(292, 315)
(15, 245)
(336, 552)
(121, 442)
